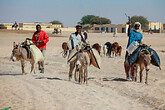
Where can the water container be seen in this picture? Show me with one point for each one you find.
(132, 47)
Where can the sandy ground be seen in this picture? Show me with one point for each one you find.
(107, 88)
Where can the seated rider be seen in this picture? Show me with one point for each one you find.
(79, 37)
(134, 35)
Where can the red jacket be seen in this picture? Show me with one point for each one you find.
(41, 36)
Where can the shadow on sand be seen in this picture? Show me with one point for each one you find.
(7, 74)
(119, 79)
(114, 79)
(55, 78)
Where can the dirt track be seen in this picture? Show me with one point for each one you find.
(107, 89)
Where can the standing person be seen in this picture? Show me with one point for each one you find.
(40, 38)
(115, 32)
(85, 34)
(134, 35)
(80, 38)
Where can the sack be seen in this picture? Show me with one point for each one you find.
(72, 57)
(134, 56)
(95, 58)
(36, 53)
(132, 47)
(72, 43)
(155, 60)
(34, 50)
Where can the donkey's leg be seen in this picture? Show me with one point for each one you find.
(133, 71)
(39, 65)
(141, 75)
(80, 75)
(127, 70)
(32, 67)
(75, 74)
(116, 52)
(136, 73)
(23, 66)
(146, 76)
(86, 71)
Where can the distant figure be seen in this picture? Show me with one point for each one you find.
(40, 38)
(15, 25)
(115, 33)
(85, 34)
(56, 31)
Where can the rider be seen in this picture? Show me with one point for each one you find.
(134, 35)
(80, 38)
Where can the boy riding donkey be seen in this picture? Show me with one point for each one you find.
(79, 38)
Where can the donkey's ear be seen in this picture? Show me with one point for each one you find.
(141, 53)
(13, 44)
(151, 53)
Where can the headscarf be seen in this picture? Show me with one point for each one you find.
(137, 30)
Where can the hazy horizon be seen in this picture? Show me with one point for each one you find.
(69, 12)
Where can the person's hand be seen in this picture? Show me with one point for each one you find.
(130, 23)
(40, 42)
(79, 33)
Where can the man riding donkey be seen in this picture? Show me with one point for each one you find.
(40, 38)
(134, 37)
(79, 38)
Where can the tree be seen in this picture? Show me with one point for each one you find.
(100, 20)
(86, 19)
(2, 26)
(144, 22)
(56, 22)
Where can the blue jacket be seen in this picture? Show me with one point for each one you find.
(134, 36)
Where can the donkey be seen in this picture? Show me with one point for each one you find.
(107, 49)
(97, 47)
(143, 61)
(115, 47)
(83, 61)
(20, 53)
(119, 49)
(65, 49)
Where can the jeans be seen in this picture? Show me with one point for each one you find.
(41, 64)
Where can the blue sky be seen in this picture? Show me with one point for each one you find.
(69, 12)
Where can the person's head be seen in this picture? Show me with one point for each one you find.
(38, 27)
(137, 26)
(78, 28)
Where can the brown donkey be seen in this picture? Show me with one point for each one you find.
(144, 61)
(20, 53)
(65, 49)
